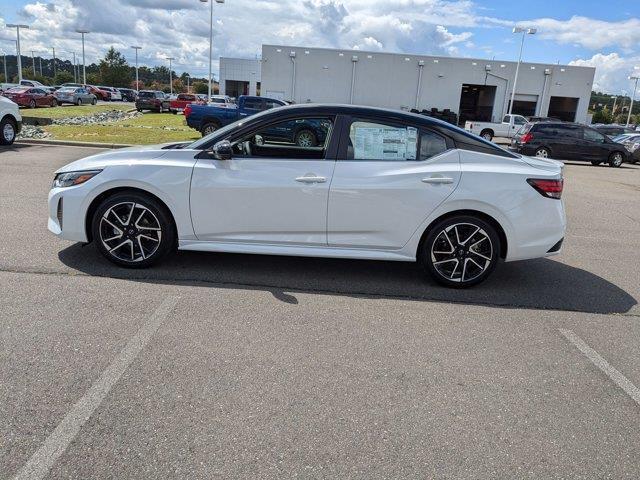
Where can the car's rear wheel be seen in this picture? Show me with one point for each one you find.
(7, 131)
(543, 152)
(306, 139)
(94, 101)
(616, 159)
(32, 104)
(54, 103)
(487, 135)
(460, 251)
(133, 230)
(160, 109)
(209, 128)
(79, 102)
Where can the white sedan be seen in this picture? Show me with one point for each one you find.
(368, 184)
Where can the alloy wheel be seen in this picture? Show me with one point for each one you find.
(130, 232)
(462, 252)
(305, 140)
(542, 153)
(616, 159)
(8, 132)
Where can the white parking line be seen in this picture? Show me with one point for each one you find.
(595, 358)
(55, 445)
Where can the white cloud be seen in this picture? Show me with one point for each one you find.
(590, 33)
(612, 72)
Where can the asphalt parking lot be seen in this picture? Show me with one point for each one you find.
(237, 366)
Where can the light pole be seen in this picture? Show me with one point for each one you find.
(84, 65)
(188, 88)
(136, 49)
(4, 54)
(636, 78)
(171, 59)
(18, 27)
(75, 78)
(54, 61)
(524, 31)
(211, 43)
(615, 100)
(33, 61)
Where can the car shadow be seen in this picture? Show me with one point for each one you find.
(543, 284)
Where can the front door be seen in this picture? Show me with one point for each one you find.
(270, 192)
(388, 178)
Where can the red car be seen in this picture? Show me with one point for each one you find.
(181, 102)
(99, 93)
(31, 97)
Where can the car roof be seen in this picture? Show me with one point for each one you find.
(457, 134)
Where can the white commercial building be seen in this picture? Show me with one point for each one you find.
(239, 76)
(475, 89)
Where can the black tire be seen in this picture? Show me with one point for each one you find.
(487, 135)
(306, 137)
(160, 109)
(32, 104)
(8, 131)
(208, 128)
(481, 247)
(616, 159)
(595, 163)
(152, 251)
(543, 152)
(54, 103)
(79, 102)
(94, 101)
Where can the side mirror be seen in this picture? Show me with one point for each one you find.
(222, 150)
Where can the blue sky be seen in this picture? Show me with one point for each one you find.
(601, 34)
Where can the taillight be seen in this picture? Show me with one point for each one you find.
(526, 138)
(547, 188)
(187, 110)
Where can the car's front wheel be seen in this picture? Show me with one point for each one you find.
(460, 251)
(616, 159)
(543, 152)
(7, 131)
(133, 230)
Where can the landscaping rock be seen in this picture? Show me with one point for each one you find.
(32, 131)
(98, 118)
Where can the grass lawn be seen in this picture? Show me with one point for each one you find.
(148, 129)
(71, 110)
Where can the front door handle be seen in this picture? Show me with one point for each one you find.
(311, 179)
(438, 180)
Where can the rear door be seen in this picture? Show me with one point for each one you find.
(388, 178)
(564, 140)
(594, 145)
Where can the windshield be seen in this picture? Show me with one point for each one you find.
(621, 138)
(67, 89)
(146, 94)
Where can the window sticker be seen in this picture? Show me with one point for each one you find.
(385, 143)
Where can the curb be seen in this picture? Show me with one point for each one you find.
(71, 143)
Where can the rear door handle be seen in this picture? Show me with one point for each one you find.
(311, 179)
(437, 180)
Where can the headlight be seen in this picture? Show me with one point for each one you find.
(69, 179)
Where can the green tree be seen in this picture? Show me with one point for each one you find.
(114, 70)
(200, 87)
(62, 77)
(602, 116)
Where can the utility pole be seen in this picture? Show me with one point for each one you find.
(75, 79)
(6, 79)
(33, 61)
(40, 62)
(633, 96)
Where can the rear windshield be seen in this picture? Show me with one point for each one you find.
(18, 89)
(525, 129)
(146, 94)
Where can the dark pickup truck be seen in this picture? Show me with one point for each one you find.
(209, 118)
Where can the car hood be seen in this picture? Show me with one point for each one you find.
(124, 156)
(543, 163)
(5, 102)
